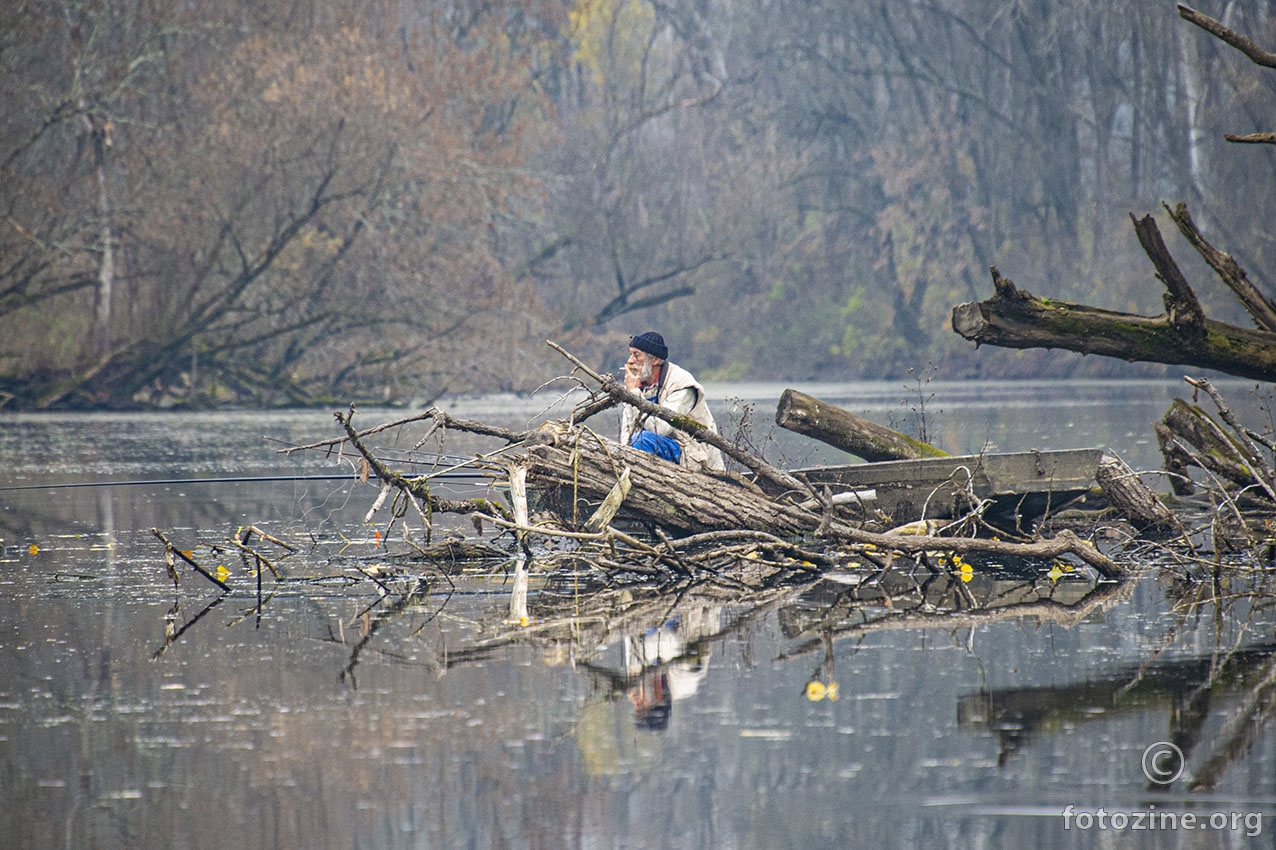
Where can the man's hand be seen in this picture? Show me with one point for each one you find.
(632, 381)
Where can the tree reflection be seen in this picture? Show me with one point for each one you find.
(648, 640)
(1236, 679)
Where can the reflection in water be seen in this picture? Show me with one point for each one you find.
(1236, 680)
(883, 706)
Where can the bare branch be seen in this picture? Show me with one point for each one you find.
(1259, 306)
(1256, 54)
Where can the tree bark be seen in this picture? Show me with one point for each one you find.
(1132, 497)
(1015, 318)
(1216, 450)
(585, 469)
(841, 429)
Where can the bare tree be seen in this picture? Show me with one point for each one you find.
(1182, 334)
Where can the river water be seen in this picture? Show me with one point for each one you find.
(136, 713)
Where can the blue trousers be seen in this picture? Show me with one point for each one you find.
(653, 443)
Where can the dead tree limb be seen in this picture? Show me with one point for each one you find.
(171, 551)
(1182, 307)
(841, 429)
(438, 419)
(1256, 54)
(1251, 456)
(1216, 450)
(1229, 271)
(1015, 318)
(416, 488)
(1251, 138)
(1063, 543)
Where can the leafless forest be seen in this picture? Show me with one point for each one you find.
(367, 201)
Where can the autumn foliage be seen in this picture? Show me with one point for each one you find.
(221, 202)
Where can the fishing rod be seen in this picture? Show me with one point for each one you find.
(411, 457)
(242, 479)
(408, 456)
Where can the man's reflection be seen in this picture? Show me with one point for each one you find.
(662, 669)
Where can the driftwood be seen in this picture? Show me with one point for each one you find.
(1190, 437)
(841, 429)
(1136, 501)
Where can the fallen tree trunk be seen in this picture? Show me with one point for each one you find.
(1014, 318)
(581, 469)
(1216, 451)
(1230, 456)
(585, 467)
(841, 429)
(1183, 335)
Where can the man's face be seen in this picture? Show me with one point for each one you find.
(642, 363)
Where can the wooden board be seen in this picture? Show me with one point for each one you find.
(1027, 483)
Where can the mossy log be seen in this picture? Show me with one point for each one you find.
(841, 429)
(1215, 450)
(1015, 318)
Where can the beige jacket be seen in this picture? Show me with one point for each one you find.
(681, 393)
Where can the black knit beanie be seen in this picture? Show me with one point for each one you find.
(652, 343)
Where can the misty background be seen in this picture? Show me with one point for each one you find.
(318, 201)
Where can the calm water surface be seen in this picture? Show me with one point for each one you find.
(134, 714)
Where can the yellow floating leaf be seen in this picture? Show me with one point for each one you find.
(831, 692)
(33, 549)
(222, 572)
(815, 691)
(1055, 573)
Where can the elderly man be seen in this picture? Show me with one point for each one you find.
(649, 373)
